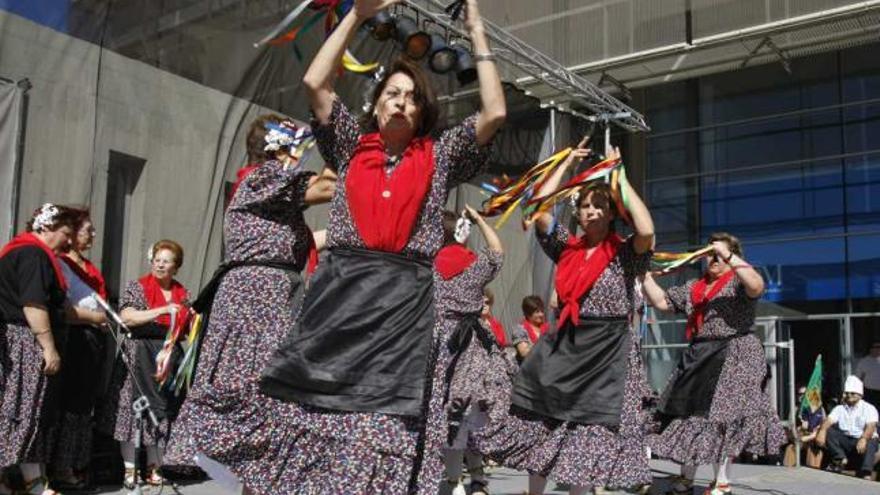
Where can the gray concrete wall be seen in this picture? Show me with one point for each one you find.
(87, 102)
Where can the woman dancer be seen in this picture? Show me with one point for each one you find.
(714, 406)
(33, 310)
(83, 362)
(258, 290)
(357, 373)
(460, 278)
(147, 307)
(575, 412)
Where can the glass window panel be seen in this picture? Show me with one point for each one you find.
(863, 193)
(774, 203)
(800, 270)
(864, 266)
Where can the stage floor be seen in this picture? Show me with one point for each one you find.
(748, 480)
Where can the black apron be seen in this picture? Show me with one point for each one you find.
(81, 373)
(577, 374)
(147, 343)
(698, 371)
(363, 338)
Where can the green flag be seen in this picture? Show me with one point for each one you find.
(813, 396)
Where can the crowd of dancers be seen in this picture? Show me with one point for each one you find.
(382, 373)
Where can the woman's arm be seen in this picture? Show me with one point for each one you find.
(752, 281)
(318, 79)
(37, 318)
(655, 294)
(523, 349)
(74, 314)
(492, 240)
(136, 317)
(321, 187)
(544, 222)
(493, 109)
(643, 225)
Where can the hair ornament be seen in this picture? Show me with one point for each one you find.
(45, 218)
(462, 229)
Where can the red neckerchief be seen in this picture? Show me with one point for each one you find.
(575, 276)
(312, 264)
(385, 209)
(155, 299)
(534, 333)
(29, 239)
(700, 300)
(90, 275)
(240, 177)
(452, 260)
(497, 330)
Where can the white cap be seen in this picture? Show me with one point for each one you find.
(853, 384)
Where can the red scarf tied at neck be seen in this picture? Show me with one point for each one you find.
(700, 300)
(452, 260)
(535, 333)
(29, 239)
(385, 208)
(155, 299)
(576, 274)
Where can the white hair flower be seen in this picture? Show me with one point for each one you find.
(462, 229)
(285, 135)
(45, 218)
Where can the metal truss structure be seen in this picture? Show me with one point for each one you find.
(538, 67)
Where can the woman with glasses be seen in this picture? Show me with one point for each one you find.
(148, 306)
(714, 406)
(350, 402)
(83, 355)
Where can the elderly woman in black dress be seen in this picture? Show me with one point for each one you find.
(149, 306)
(714, 406)
(575, 407)
(83, 356)
(350, 399)
(34, 309)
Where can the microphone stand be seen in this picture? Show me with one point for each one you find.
(140, 405)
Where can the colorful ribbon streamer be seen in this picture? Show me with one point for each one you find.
(512, 194)
(186, 368)
(598, 171)
(331, 11)
(663, 263)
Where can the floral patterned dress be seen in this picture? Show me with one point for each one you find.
(568, 452)
(741, 417)
(254, 306)
(285, 447)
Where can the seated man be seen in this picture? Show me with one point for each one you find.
(851, 431)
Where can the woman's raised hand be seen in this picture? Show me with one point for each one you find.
(473, 214)
(472, 19)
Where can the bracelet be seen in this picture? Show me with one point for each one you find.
(730, 257)
(484, 57)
